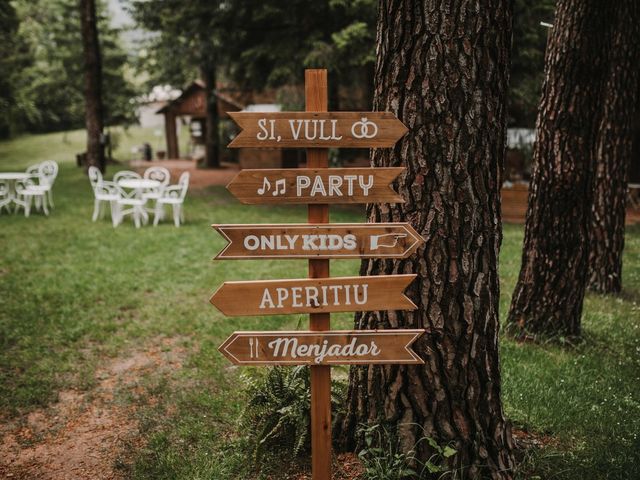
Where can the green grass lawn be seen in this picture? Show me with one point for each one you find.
(74, 294)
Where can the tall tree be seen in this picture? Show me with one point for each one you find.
(614, 150)
(94, 114)
(48, 66)
(549, 294)
(191, 40)
(274, 39)
(444, 71)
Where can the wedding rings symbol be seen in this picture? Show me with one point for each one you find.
(364, 129)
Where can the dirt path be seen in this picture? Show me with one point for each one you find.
(199, 177)
(85, 435)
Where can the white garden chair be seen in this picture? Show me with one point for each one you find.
(27, 193)
(5, 201)
(125, 174)
(46, 174)
(174, 196)
(160, 174)
(104, 191)
(135, 203)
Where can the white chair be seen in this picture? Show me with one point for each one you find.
(104, 191)
(34, 172)
(160, 174)
(125, 174)
(5, 201)
(46, 174)
(174, 196)
(26, 192)
(136, 204)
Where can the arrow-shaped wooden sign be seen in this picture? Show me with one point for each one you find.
(312, 295)
(317, 129)
(335, 347)
(306, 185)
(335, 240)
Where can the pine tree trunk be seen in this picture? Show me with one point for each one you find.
(614, 148)
(550, 290)
(444, 72)
(211, 142)
(94, 116)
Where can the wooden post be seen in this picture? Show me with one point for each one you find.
(316, 99)
(172, 137)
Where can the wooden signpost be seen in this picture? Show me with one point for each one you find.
(308, 185)
(317, 130)
(336, 240)
(309, 295)
(337, 347)
(318, 186)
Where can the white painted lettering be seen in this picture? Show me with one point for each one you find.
(267, 301)
(251, 242)
(335, 182)
(318, 186)
(295, 133)
(365, 186)
(262, 125)
(302, 182)
(282, 294)
(350, 179)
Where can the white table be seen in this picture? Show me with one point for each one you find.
(11, 178)
(140, 185)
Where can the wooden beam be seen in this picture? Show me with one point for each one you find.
(317, 100)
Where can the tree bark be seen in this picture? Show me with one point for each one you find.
(614, 149)
(550, 290)
(94, 112)
(444, 72)
(212, 141)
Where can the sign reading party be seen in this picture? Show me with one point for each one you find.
(317, 129)
(336, 347)
(305, 185)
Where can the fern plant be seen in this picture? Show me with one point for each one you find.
(277, 417)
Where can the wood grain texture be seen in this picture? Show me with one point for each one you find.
(336, 240)
(442, 67)
(313, 295)
(317, 99)
(327, 348)
(316, 130)
(315, 185)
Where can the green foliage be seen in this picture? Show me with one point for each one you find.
(277, 417)
(527, 59)
(383, 459)
(47, 79)
(187, 37)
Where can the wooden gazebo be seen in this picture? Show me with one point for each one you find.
(192, 102)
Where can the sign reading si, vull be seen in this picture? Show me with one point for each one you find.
(335, 240)
(317, 129)
(306, 185)
(336, 347)
(311, 295)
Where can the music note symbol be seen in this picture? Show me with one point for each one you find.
(266, 186)
(280, 187)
